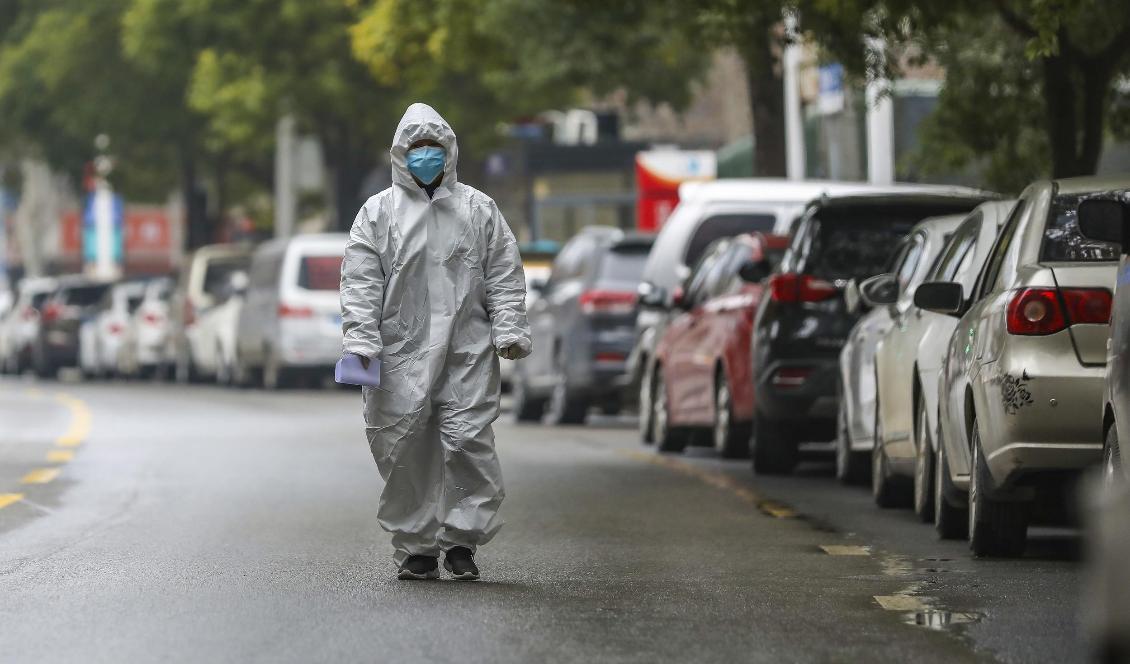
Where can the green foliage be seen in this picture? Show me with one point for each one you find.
(989, 112)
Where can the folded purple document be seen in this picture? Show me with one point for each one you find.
(349, 371)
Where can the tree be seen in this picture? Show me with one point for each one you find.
(255, 60)
(494, 60)
(1079, 47)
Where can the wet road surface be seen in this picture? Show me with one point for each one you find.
(197, 523)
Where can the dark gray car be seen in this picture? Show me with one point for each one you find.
(583, 327)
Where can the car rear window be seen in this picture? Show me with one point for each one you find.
(623, 264)
(134, 302)
(320, 273)
(217, 273)
(83, 296)
(857, 243)
(725, 225)
(1062, 240)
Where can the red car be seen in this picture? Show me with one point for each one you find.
(703, 381)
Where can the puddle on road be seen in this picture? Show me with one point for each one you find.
(939, 619)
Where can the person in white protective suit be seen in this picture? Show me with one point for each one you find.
(432, 287)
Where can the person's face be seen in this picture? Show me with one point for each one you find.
(426, 142)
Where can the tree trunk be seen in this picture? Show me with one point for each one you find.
(1075, 97)
(195, 204)
(767, 106)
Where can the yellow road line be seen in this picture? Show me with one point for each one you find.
(716, 480)
(60, 456)
(845, 550)
(80, 422)
(40, 476)
(9, 499)
(901, 602)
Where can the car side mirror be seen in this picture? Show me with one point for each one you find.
(537, 286)
(1105, 220)
(942, 297)
(880, 290)
(651, 296)
(754, 271)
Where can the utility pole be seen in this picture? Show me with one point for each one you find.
(880, 126)
(795, 165)
(285, 198)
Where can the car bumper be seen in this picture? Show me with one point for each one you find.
(1045, 416)
(782, 396)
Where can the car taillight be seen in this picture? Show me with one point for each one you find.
(52, 312)
(792, 287)
(151, 318)
(115, 328)
(790, 376)
(608, 302)
(1039, 311)
(291, 311)
(609, 357)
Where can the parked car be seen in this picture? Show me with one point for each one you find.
(536, 262)
(803, 324)
(703, 388)
(908, 361)
(203, 275)
(63, 313)
(218, 329)
(20, 326)
(102, 333)
(146, 337)
(290, 321)
(1025, 366)
(582, 326)
(706, 212)
(889, 297)
(1108, 220)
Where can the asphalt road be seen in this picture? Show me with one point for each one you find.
(203, 524)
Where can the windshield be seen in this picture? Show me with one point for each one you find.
(320, 273)
(624, 264)
(725, 225)
(83, 296)
(1062, 240)
(859, 242)
(218, 273)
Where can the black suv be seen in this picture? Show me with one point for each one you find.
(802, 325)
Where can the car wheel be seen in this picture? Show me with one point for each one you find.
(851, 467)
(950, 519)
(565, 407)
(731, 438)
(647, 407)
(887, 491)
(774, 451)
(923, 467)
(667, 437)
(996, 528)
(1112, 458)
(526, 407)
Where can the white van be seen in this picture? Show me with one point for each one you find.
(290, 323)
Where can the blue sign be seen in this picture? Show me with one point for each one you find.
(90, 244)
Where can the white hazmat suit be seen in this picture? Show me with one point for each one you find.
(432, 287)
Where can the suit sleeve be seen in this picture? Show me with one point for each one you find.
(362, 290)
(506, 287)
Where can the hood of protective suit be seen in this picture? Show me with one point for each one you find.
(420, 122)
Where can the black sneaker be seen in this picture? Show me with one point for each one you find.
(461, 563)
(418, 568)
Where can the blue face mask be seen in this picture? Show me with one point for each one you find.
(426, 163)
